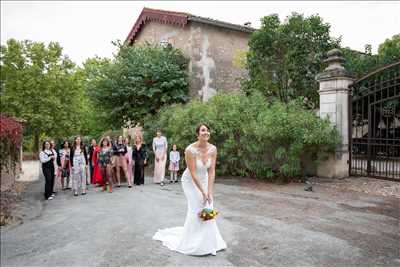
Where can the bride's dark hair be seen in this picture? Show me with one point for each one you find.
(199, 126)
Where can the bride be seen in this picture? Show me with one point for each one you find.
(196, 237)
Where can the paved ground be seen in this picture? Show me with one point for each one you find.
(263, 225)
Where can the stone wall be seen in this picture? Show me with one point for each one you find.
(9, 175)
(211, 51)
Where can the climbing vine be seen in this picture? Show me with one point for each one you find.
(10, 140)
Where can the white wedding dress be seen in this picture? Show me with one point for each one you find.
(196, 237)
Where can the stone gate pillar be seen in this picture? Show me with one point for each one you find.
(334, 92)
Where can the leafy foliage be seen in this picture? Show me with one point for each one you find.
(10, 140)
(140, 80)
(362, 63)
(389, 51)
(89, 77)
(38, 85)
(284, 58)
(359, 63)
(253, 137)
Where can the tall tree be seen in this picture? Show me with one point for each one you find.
(389, 51)
(139, 81)
(38, 85)
(360, 63)
(284, 58)
(90, 77)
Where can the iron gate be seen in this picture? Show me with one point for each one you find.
(375, 120)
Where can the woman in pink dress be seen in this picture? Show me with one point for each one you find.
(160, 146)
(129, 161)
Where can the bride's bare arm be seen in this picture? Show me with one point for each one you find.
(211, 175)
(190, 162)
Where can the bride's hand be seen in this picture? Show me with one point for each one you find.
(209, 198)
(205, 197)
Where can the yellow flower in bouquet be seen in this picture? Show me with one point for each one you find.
(208, 214)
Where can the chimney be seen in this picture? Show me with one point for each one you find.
(247, 24)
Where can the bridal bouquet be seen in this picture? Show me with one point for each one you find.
(208, 214)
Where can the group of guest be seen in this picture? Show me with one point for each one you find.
(69, 164)
(76, 166)
(109, 159)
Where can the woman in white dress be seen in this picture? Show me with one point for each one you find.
(196, 237)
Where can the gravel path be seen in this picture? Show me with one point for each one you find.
(366, 185)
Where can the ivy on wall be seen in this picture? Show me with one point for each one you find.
(10, 141)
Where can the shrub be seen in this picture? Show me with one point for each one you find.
(254, 138)
(10, 140)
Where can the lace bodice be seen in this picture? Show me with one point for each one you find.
(203, 161)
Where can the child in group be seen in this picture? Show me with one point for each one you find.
(174, 158)
(65, 165)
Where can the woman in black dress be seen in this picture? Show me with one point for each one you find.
(47, 159)
(139, 158)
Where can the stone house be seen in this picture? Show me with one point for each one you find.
(210, 45)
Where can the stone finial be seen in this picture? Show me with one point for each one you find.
(334, 58)
(335, 66)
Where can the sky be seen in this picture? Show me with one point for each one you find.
(86, 28)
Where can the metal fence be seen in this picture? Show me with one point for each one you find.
(375, 119)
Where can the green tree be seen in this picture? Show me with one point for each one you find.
(284, 58)
(89, 77)
(139, 81)
(359, 63)
(389, 51)
(38, 85)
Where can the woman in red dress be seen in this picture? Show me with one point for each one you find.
(97, 177)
